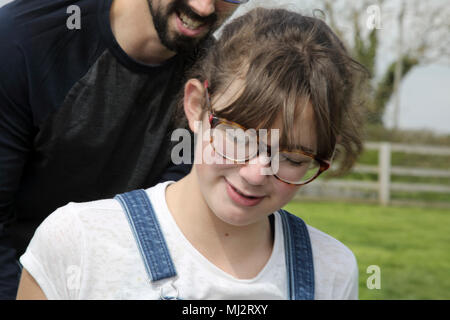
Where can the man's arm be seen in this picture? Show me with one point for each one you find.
(9, 270)
(14, 150)
(16, 132)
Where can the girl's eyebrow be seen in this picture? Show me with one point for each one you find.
(295, 147)
(306, 149)
(302, 148)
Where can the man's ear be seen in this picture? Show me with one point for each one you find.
(194, 99)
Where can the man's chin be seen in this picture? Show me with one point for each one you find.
(185, 45)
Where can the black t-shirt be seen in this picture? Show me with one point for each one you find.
(79, 119)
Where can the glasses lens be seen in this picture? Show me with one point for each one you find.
(234, 143)
(296, 167)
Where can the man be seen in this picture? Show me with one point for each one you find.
(87, 92)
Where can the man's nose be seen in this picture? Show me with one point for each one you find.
(203, 8)
(257, 170)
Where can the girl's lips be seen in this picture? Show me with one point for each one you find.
(238, 198)
(186, 31)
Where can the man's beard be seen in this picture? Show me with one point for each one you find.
(180, 43)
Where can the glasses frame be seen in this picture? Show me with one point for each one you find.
(214, 121)
(236, 1)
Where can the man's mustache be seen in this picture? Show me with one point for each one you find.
(179, 6)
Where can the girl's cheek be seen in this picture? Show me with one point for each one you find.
(286, 191)
(206, 155)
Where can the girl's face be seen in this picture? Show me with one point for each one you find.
(241, 194)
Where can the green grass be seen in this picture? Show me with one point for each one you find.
(410, 245)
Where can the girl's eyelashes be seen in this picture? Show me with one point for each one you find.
(296, 163)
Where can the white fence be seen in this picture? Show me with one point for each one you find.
(385, 170)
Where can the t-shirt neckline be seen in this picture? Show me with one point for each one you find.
(161, 194)
(104, 7)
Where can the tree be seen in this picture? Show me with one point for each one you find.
(425, 40)
(372, 39)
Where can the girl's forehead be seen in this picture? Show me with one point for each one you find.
(301, 124)
(302, 134)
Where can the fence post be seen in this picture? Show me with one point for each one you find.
(384, 174)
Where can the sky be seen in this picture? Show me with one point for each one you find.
(424, 100)
(425, 92)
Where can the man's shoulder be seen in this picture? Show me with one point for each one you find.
(33, 17)
(42, 28)
(42, 55)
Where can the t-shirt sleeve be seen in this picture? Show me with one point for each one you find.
(335, 267)
(350, 289)
(54, 255)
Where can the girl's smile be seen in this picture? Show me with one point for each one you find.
(242, 198)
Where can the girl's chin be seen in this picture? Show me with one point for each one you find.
(237, 216)
(235, 220)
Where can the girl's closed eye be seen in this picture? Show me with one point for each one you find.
(298, 163)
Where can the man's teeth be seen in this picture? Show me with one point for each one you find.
(188, 22)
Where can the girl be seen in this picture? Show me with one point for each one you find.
(220, 233)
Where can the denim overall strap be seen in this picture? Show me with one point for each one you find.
(299, 258)
(148, 235)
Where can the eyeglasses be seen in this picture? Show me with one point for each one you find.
(236, 1)
(239, 144)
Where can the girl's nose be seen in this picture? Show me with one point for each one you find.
(203, 8)
(257, 170)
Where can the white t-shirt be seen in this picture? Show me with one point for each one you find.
(88, 251)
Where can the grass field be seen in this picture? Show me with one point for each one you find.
(406, 160)
(410, 245)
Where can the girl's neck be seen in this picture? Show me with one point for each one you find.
(241, 251)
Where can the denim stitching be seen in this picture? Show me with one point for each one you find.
(148, 235)
(301, 264)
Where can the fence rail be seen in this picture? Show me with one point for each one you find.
(383, 186)
(417, 149)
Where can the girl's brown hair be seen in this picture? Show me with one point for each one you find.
(285, 59)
